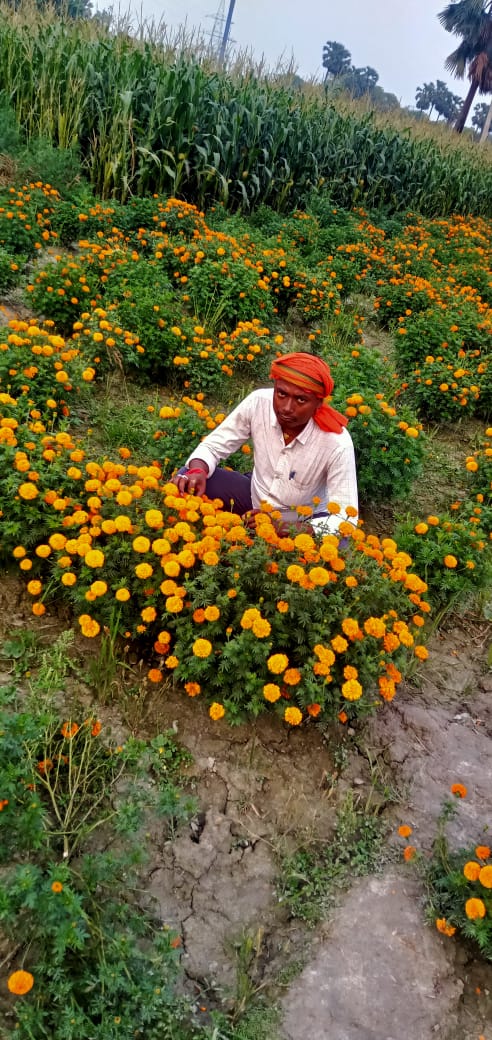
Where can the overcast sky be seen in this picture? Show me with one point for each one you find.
(401, 39)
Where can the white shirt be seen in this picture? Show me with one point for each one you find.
(316, 464)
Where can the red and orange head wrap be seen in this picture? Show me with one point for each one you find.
(312, 374)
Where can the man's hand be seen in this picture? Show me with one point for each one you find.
(283, 528)
(194, 481)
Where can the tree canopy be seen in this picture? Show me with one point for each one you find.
(472, 21)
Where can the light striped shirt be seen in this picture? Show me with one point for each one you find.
(315, 465)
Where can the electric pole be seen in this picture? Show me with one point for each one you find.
(227, 30)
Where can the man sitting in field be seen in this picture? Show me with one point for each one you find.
(303, 455)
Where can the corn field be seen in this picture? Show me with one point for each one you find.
(145, 120)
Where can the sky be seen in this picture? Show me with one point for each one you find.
(402, 39)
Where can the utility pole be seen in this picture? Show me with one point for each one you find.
(227, 29)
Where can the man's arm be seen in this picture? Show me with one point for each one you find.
(230, 435)
(341, 487)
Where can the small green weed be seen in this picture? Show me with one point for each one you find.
(310, 879)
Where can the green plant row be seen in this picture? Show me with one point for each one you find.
(145, 121)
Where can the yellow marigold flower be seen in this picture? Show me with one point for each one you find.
(211, 559)
(141, 544)
(374, 627)
(450, 561)
(261, 628)
(90, 627)
(421, 652)
(352, 690)
(324, 653)
(20, 982)
(171, 568)
(19, 552)
(293, 716)
(34, 587)
(271, 692)
(99, 588)
(122, 595)
(202, 648)
(319, 576)
(471, 870)
(250, 615)
(171, 661)
(68, 579)
(94, 558)
(304, 542)
(350, 627)
(294, 573)
(144, 570)
(122, 523)
(28, 491)
(148, 614)
(421, 528)
(486, 877)
(216, 711)
(277, 663)
(475, 909)
(154, 518)
(174, 604)
(211, 613)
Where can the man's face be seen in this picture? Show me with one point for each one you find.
(293, 407)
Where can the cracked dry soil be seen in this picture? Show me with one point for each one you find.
(375, 970)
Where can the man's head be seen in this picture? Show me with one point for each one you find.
(302, 384)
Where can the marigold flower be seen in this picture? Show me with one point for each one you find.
(313, 710)
(482, 852)
(271, 692)
(293, 716)
(20, 982)
(96, 728)
(144, 570)
(122, 595)
(409, 853)
(339, 644)
(443, 926)
(459, 790)
(69, 729)
(154, 675)
(211, 613)
(421, 652)
(34, 587)
(292, 677)
(261, 628)
(192, 688)
(404, 830)
(486, 877)
(282, 606)
(148, 614)
(94, 558)
(352, 690)
(450, 561)
(277, 663)
(475, 909)
(174, 604)
(342, 717)
(216, 711)
(471, 870)
(202, 648)
(171, 661)
(57, 886)
(141, 544)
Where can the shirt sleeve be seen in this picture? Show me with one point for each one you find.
(230, 435)
(341, 487)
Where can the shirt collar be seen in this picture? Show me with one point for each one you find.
(301, 437)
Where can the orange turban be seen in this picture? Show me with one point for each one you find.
(313, 374)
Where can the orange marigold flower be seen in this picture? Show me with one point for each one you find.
(404, 830)
(69, 729)
(20, 982)
(409, 853)
(171, 661)
(474, 909)
(421, 652)
(450, 561)
(96, 728)
(443, 926)
(459, 790)
(155, 675)
(38, 609)
(292, 677)
(192, 688)
(313, 710)
(148, 614)
(122, 595)
(202, 648)
(471, 870)
(94, 558)
(293, 716)
(282, 606)
(342, 717)
(216, 711)
(486, 877)
(57, 886)
(482, 852)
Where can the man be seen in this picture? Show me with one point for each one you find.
(303, 455)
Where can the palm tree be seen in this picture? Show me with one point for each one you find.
(472, 20)
(336, 59)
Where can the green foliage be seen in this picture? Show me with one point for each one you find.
(310, 879)
(63, 289)
(8, 270)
